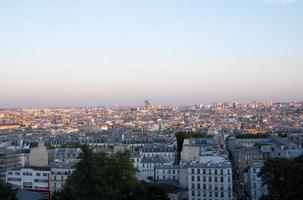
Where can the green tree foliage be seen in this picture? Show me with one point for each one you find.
(155, 191)
(284, 178)
(101, 176)
(6, 192)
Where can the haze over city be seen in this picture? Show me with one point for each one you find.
(99, 53)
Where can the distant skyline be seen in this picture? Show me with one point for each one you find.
(67, 53)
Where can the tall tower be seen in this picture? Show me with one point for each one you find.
(146, 103)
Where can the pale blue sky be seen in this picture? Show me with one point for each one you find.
(120, 52)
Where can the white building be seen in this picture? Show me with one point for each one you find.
(161, 150)
(30, 178)
(255, 188)
(60, 173)
(146, 166)
(175, 174)
(196, 149)
(209, 181)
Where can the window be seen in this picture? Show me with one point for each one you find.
(198, 171)
(192, 178)
(192, 171)
(209, 178)
(193, 193)
(27, 185)
(17, 173)
(198, 185)
(216, 179)
(221, 179)
(40, 181)
(44, 174)
(38, 174)
(10, 173)
(192, 186)
(14, 179)
(222, 194)
(204, 171)
(198, 178)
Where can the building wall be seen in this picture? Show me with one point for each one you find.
(209, 183)
(28, 178)
(38, 156)
(190, 153)
(255, 187)
(59, 177)
(8, 159)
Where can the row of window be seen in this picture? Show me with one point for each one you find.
(37, 174)
(210, 187)
(14, 179)
(208, 171)
(58, 178)
(168, 171)
(168, 177)
(60, 172)
(210, 194)
(41, 180)
(210, 178)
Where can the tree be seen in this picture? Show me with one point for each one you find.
(154, 191)
(107, 177)
(283, 178)
(6, 192)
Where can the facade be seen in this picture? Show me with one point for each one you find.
(161, 150)
(255, 186)
(173, 174)
(167, 173)
(8, 159)
(59, 174)
(35, 179)
(67, 153)
(208, 181)
(190, 153)
(38, 156)
(197, 149)
(147, 165)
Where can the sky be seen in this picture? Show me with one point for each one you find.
(172, 52)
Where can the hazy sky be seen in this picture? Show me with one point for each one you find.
(120, 52)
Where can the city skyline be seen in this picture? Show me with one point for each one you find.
(106, 53)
